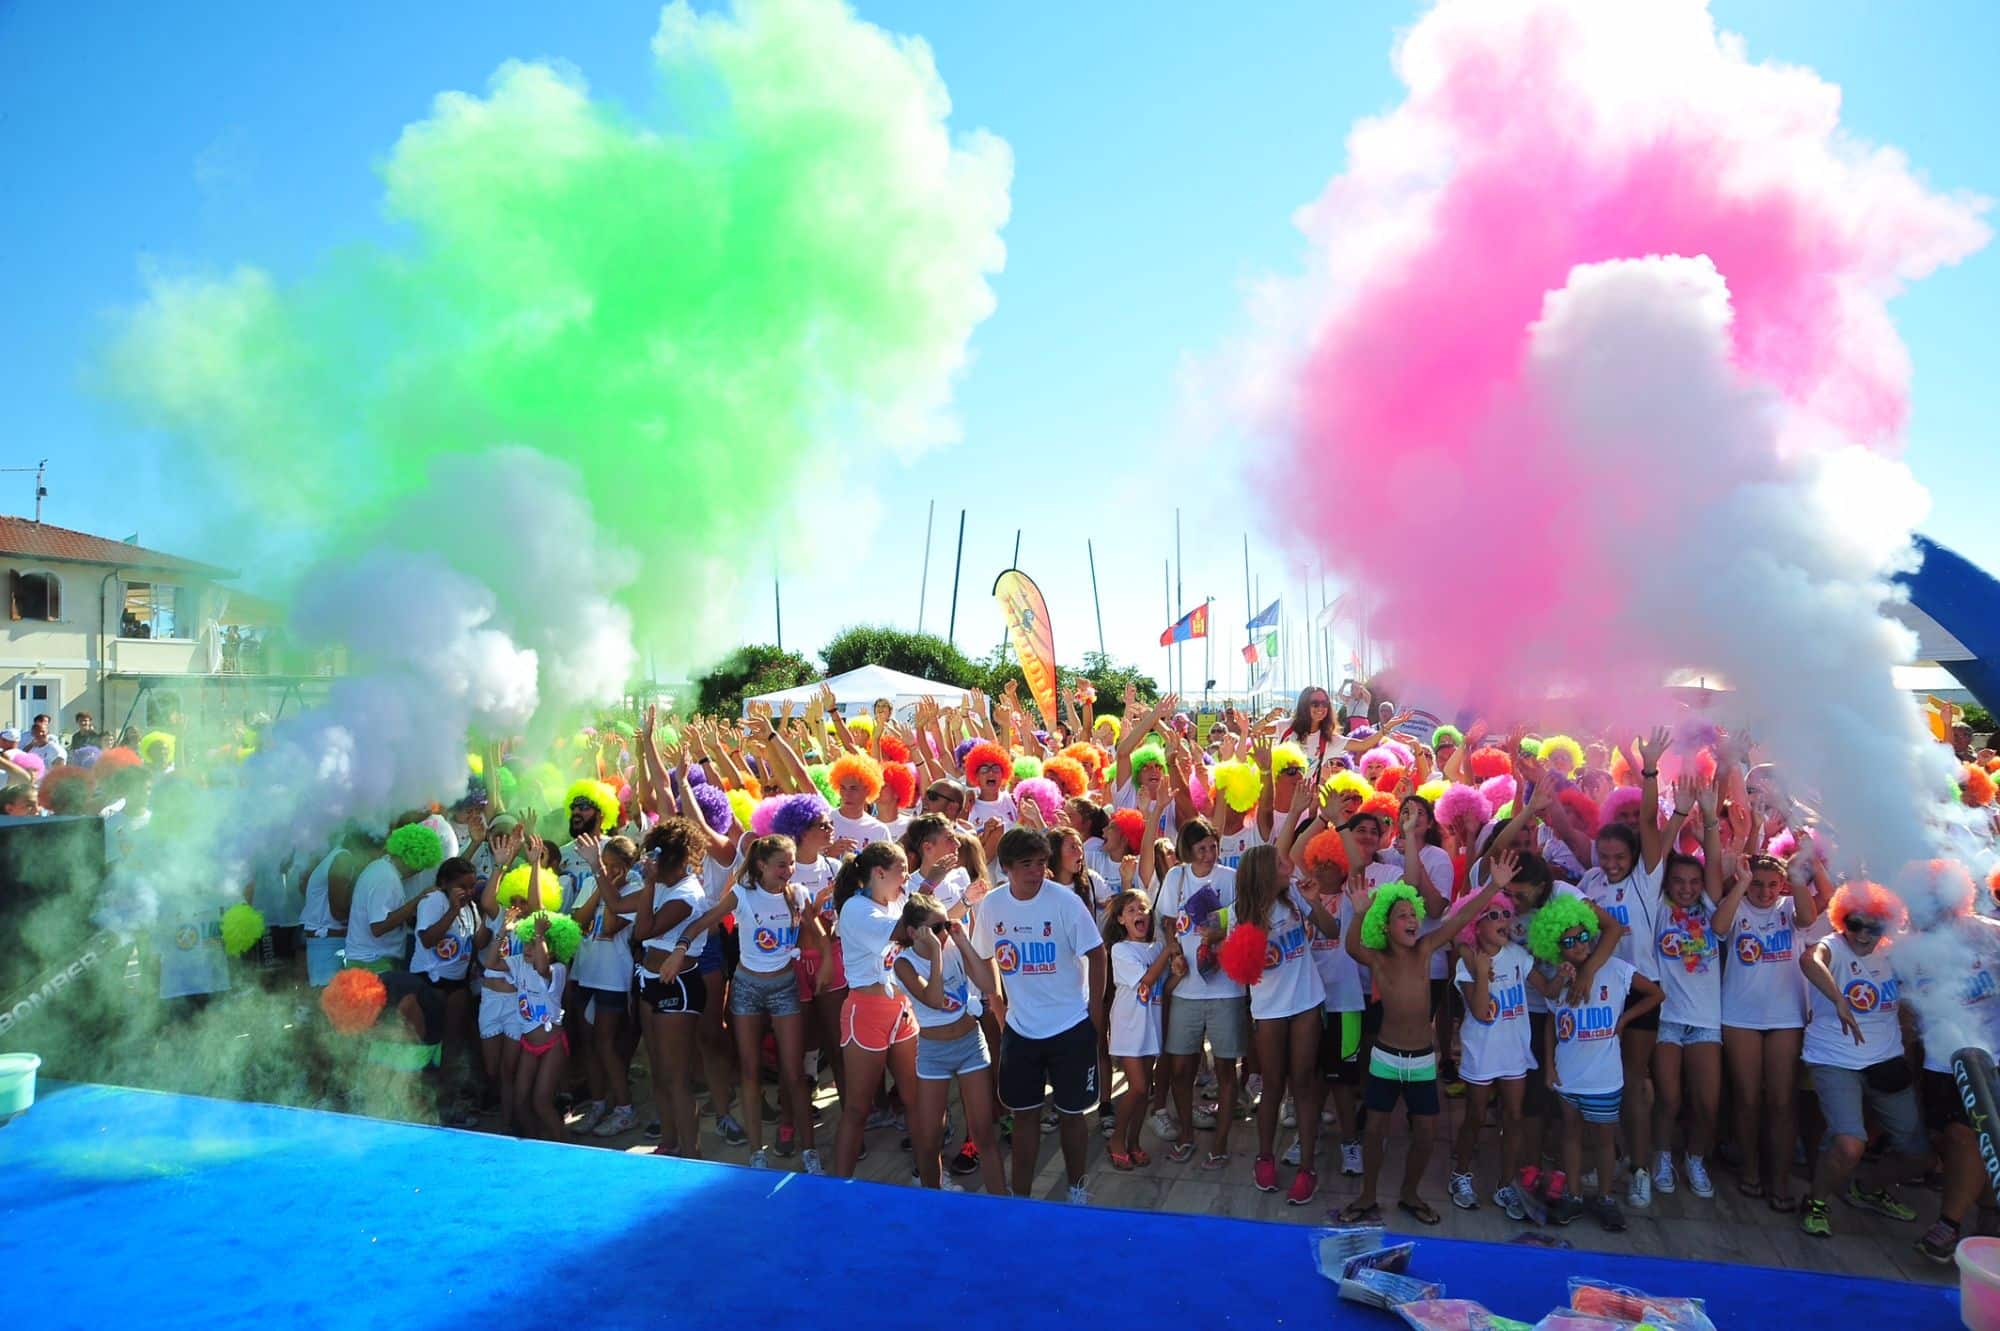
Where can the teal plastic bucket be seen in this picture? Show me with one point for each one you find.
(17, 1083)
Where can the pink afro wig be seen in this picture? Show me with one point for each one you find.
(1582, 808)
(987, 754)
(1488, 763)
(1243, 953)
(1461, 802)
(1862, 897)
(1497, 790)
(900, 780)
(1377, 758)
(1784, 845)
(1616, 803)
(1068, 774)
(761, 816)
(1046, 794)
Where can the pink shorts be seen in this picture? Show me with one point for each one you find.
(812, 982)
(556, 1037)
(875, 1020)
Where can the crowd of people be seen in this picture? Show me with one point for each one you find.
(1628, 959)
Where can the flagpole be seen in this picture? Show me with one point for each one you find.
(1180, 605)
(1208, 655)
(924, 583)
(1090, 548)
(1249, 609)
(1167, 587)
(1000, 653)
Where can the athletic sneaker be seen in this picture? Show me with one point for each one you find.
(1588, 1183)
(1292, 1155)
(1304, 1184)
(1328, 1118)
(1509, 1200)
(1463, 1195)
(1813, 1219)
(651, 1132)
(949, 1184)
(1253, 1088)
(1079, 1195)
(1265, 1174)
(1877, 1200)
(1564, 1209)
(1106, 1121)
(1204, 1116)
(760, 1159)
(592, 1115)
(1699, 1182)
(967, 1159)
(731, 1131)
(1350, 1159)
(1048, 1122)
(809, 1161)
(788, 1141)
(1165, 1127)
(1940, 1242)
(1639, 1192)
(1289, 1114)
(618, 1120)
(885, 1117)
(1663, 1173)
(1607, 1212)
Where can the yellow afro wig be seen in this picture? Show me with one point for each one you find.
(513, 889)
(1287, 758)
(1117, 728)
(599, 794)
(1241, 784)
(1562, 746)
(1348, 782)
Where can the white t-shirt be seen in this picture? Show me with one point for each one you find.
(1127, 797)
(1762, 987)
(378, 891)
(1497, 1044)
(1135, 1011)
(715, 876)
(1974, 961)
(1339, 974)
(816, 877)
(539, 1000)
(317, 912)
(1040, 945)
(1002, 808)
(866, 933)
(767, 927)
(860, 830)
(192, 960)
(453, 953)
(1525, 916)
(959, 995)
(1099, 862)
(602, 963)
(1633, 901)
(1238, 843)
(1290, 983)
(949, 890)
(1873, 991)
(1175, 923)
(1688, 956)
(688, 890)
(575, 874)
(1587, 1060)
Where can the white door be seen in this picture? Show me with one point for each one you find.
(34, 695)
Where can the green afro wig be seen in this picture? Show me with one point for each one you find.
(600, 794)
(565, 934)
(1241, 784)
(822, 779)
(157, 739)
(417, 846)
(1375, 924)
(1558, 917)
(1147, 755)
(1447, 735)
(1287, 757)
(242, 926)
(1027, 767)
(1531, 748)
(513, 889)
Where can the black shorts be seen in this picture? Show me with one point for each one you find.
(1440, 991)
(1649, 1022)
(430, 1002)
(683, 996)
(1535, 1098)
(1340, 1045)
(1420, 1093)
(1942, 1105)
(450, 987)
(1065, 1064)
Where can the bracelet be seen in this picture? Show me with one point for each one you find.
(1651, 771)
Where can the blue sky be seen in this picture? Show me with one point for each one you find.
(1159, 154)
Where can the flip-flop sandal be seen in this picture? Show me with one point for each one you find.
(1750, 1187)
(1784, 1205)
(1120, 1161)
(1214, 1161)
(1140, 1158)
(1180, 1152)
(1356, 1214)
(1421, 1212)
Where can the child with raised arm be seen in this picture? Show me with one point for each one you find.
(1403, 1063)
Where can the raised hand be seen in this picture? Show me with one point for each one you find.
(1502, 868)
(1653, 749)
(1686, 789)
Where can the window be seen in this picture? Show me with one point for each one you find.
(152, 610)
(34, 596)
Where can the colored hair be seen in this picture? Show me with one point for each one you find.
(1326, 849)
(856, 767)
(1861, 897)
(417, 846)
(1447, 735)
(353, 999)
(1147, 755)
(893, 749)
(986, 754)
(1582, 808)
(1498, 790)
(1563, 744)
(599, 794)
(1374, 762)
(748, 810)
(565, 935)
(1389, 778)
(85, 756)
(242, 926)
(1382, 805)
(1621, 771)
(1241, 784)
(1375, 924)
(1616, 803)
(960, 749)
(1117, 727)
(513, 889)
(1350, 783)
(1068, 774)
(861, 725)
(1090, 756)
(1559, 915)
(1488, 763)
(900, 780)
(715, 807)
(158, 739)
(822, 782)
(63, 790)
(796, 814)
(1131, 825)
(1433, 790)
(1027, 767)
(1459, 801)
(1287, 757)
(1046, 794)
(1977, 788)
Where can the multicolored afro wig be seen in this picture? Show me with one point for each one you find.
(1131, 825)
(1242, 953)
(822, 779)
(893, 749)
(714, 806)
(1447, 737)
(743, 806)
(1027, 767)
(1068, 774)
(900, 780)
(1327, 851)
(513, 889)
(1976, 790)
(158, 740)
(242, 926)
(983, 755)
(1563, 755)
(857, 767)
(1111, 723)
(1461, 802)
(565, 934)
(600, 794)
(1558, 916)
(1241, 784)
(796, 815)
(416, 847)
(1287, 757)
(1344, 783)
(1375, 924)
(353, 999)
(1046, 795)
(1153, 755)
(1868, 900)
(1488, 763)
(1582, 808)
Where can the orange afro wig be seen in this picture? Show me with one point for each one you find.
(987, 754)
(1389, 778)
(1131, 825)
(1977, 788)
(900, 780)
(1582, 808)
(1488, 763)
(113, 759)
(1090, 755)
(894, 750)
(1621, 771)
(67, 786)
(1382, 805)
(1872, 900)
(1068, 774)
(1939, 887)
(1327, 850)
(857, 767)
(353, 1000)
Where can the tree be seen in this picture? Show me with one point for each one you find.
(1110, 680)
(746, 672)
(922, 654)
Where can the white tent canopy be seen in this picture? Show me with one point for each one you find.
(856, 691)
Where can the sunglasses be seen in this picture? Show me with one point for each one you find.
(1577, 939)
(939, 927)
(1498, 914)
(1864, 926)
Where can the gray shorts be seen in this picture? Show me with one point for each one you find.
(1224, 1021)
(1843, 1092)
(753, 994)
(941, 1060)
(1679, 1032)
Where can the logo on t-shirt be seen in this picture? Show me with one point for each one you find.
(1599, 1021)
(770, 941)
(1182, 924)
(1565, 1025)
(1008, 959)
(1866, 996)
(1749, 949)
(447, 948)
(187, 937)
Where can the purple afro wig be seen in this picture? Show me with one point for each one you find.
(1461, 801)
(86, 756)
(797, 813)
(958, 754)
(697, 777)
(714, 807)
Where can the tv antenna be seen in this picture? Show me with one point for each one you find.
(41, 491)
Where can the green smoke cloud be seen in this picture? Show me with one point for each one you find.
(702, 315)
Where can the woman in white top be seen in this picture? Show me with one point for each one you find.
(1314, 727)
(1497, 1043)
(948, 983)
(931, 847)
(876, 1026)
(671, 994)
(1763, 1022)
(1285, 1004)
(604, 968)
